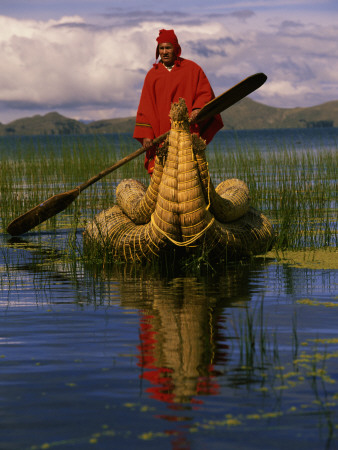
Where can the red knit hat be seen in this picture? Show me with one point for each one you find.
(168, 36)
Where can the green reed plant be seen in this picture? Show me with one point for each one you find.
(295, 189)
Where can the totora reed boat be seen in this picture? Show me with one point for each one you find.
(180, 208)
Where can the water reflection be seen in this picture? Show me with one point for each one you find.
(127, 340)
(182, 320)
(183, 340)
(178, 347)
(182, 330)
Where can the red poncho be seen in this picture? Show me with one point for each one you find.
(161, 88)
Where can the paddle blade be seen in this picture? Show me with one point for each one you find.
(42, 212)
(231, 96)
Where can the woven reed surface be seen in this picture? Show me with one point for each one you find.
(181, 207)
(138, 202)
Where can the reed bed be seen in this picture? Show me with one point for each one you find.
(295, 189)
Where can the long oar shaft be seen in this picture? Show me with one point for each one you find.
(120, 163)
(59, 202)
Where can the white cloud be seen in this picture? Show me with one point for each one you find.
(96, 70)
(64, 62)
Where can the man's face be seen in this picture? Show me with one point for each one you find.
(167, 53)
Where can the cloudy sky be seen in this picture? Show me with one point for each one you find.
(87, 59)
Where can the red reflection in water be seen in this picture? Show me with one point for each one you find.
(178, 360)
(178, 351)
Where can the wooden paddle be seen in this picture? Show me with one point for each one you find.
(60, 202)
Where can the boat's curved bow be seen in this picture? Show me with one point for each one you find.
(181, 207)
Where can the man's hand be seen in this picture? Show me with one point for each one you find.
(147, 143)
(193, 115)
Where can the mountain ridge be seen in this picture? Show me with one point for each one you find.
(244, 115)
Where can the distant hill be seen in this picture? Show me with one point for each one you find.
(51, 123)
(244, 115)
(248, 114)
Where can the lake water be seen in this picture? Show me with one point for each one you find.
(125, 357)
(264, 140)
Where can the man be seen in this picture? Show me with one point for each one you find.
(168, 80)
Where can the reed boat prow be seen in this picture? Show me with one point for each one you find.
(181, 207)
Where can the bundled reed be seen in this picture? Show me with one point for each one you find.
(181, 207)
